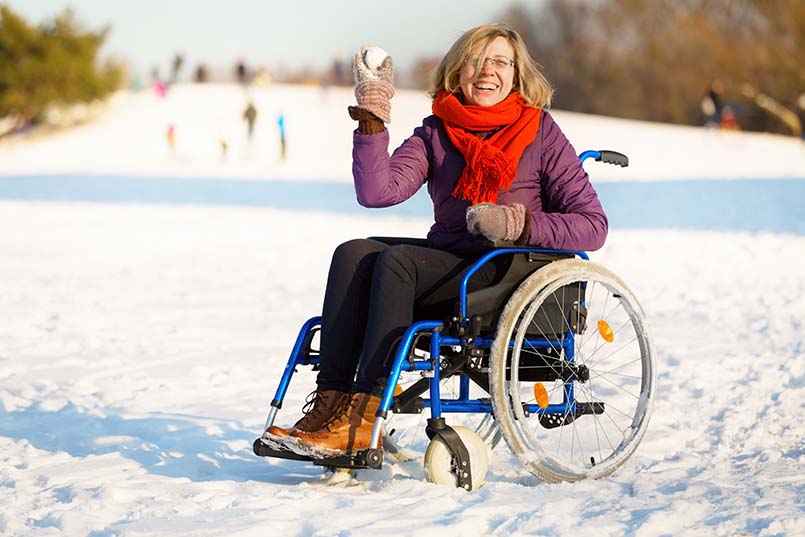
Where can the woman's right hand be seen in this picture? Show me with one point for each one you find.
(374, 78)
(498, 222)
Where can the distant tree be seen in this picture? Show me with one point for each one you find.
(656, 59)
(53, 62)
(421, 74)
(676, 48)
(566, 41)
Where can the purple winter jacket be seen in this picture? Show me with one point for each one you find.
(550, 183)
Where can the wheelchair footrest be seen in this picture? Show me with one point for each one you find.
(262, 450)
(553, 420)
(367, 458)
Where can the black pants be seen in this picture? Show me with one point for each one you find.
(373, 294)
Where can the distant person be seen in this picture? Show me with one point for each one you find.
(201, 75)
(281, 128)
(250, 116)
(224, 145)
(241, 73)
(728, 121)
(497, 167)
(156, 82)
(176, 66)
(801, 115)
(160, 88)
(170, 137)
(712, 104)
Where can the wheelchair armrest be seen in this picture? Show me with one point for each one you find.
(391, 241)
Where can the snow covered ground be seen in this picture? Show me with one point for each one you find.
(141, 344)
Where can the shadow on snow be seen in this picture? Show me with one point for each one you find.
(172, 445)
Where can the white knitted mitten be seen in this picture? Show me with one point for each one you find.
(374, 81)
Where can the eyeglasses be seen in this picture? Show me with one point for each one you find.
(499, 63)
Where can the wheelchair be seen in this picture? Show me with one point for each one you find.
(559, 364)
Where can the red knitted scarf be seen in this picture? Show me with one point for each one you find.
(491, 163)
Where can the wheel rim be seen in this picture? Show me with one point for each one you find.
(621, 377)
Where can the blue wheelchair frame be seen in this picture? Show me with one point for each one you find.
(405, 359)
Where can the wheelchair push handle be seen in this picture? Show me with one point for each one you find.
(606, 156)
(603, 155)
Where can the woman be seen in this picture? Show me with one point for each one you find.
(497, 167)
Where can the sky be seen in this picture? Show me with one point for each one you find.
(265, 32)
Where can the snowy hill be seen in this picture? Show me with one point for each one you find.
(140, 344)
(130, 139)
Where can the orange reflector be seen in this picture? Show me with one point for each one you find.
(605, 331)
(398, 390)
(541, 395)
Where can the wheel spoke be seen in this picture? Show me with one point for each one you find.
(615, 352)
(612, 371)
(627, 322)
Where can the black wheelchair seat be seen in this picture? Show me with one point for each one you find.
(488, 303)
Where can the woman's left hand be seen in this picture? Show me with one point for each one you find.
(496, 222)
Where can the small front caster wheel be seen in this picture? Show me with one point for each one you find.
(441, 466)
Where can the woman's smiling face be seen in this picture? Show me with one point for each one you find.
(494, 82)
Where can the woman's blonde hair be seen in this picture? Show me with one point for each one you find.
(528, 80)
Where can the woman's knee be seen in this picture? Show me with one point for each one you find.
(354, 250)
(398, 261)
(355, 258)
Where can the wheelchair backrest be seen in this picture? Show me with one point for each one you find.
(552, 319)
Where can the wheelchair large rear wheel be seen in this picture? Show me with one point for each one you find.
(572, 372)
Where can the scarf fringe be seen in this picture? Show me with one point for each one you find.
(488, 171)
(491, 165)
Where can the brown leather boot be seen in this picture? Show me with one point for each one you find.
(349, 431)
(320, 406)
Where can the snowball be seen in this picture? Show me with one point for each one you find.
(374, 56)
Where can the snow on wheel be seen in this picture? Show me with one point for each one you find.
(441, 466)
(572, 372)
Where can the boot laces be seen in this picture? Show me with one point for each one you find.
(315, 404)
(341, 412)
